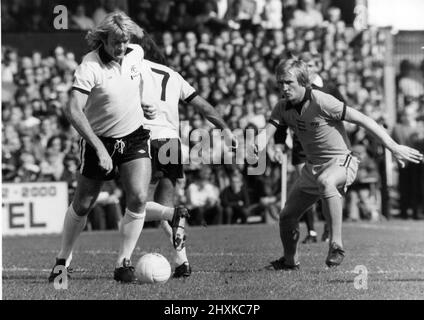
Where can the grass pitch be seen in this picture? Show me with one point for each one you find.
(228, 263)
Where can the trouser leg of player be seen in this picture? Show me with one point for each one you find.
(333, 212)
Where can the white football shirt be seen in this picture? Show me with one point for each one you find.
(164, 88)
(113, 107)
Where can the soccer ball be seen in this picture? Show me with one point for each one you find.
(153, 268)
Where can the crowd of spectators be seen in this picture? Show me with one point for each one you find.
(228, 51)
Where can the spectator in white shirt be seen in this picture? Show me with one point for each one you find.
(307, 16)
(203, 199)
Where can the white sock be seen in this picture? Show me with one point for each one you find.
(158, 212)
(68, 261)
(180, 256)
(72, 227)
(131, 225)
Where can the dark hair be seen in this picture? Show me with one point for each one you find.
(151, 50)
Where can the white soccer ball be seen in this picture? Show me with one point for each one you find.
(153, 268)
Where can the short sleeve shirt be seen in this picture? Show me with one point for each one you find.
(318, 123)
(113, 107)
(164, 88)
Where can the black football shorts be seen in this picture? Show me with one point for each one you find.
(136, 145)
(166, 159)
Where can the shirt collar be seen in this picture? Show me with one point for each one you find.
(105, 57)
(298, 106)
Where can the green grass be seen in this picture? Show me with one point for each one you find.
(228, 263)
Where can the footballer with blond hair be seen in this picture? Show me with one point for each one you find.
(317, 119)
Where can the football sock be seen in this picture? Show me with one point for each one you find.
(68, 261)
(158, 212)
(131, 225)
(313, 233)
(289, 234)
(333, 210)
(72, 227)
(180, 256)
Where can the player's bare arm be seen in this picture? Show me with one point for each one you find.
(401, 152)
(270, 130)
(209, 112)
(74, 113)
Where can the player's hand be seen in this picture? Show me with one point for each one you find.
(405, 153)
(234, 143)
(105, 160)
(252, 153)
(150, 112)
(278, 155)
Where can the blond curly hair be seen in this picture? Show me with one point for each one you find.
(117, 23)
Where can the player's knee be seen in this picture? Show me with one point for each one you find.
(326, 185)
(287, 217)
(82, 207)
(137, 199)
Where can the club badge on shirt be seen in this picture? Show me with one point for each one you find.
(134, 72)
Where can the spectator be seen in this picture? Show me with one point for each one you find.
(235, 200)
(161, 14)
(409, 176)
(80, 20)
(411, 83)
(181, 19)
(307, 16)
(272, 18)
(28, 170)
(203, 199)
(52, 167)
(107, 212)
(106, 6)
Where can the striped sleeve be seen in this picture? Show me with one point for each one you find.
(187, 92)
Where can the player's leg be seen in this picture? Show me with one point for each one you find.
(309, 221)
(164, 195)
(75, 219)
(297, 203)
(135, 177)
(336, 174)
(308, 217)
(167, 174)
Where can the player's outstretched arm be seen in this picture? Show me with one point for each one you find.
(209, 112)
(75, 114)
(401, 152)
